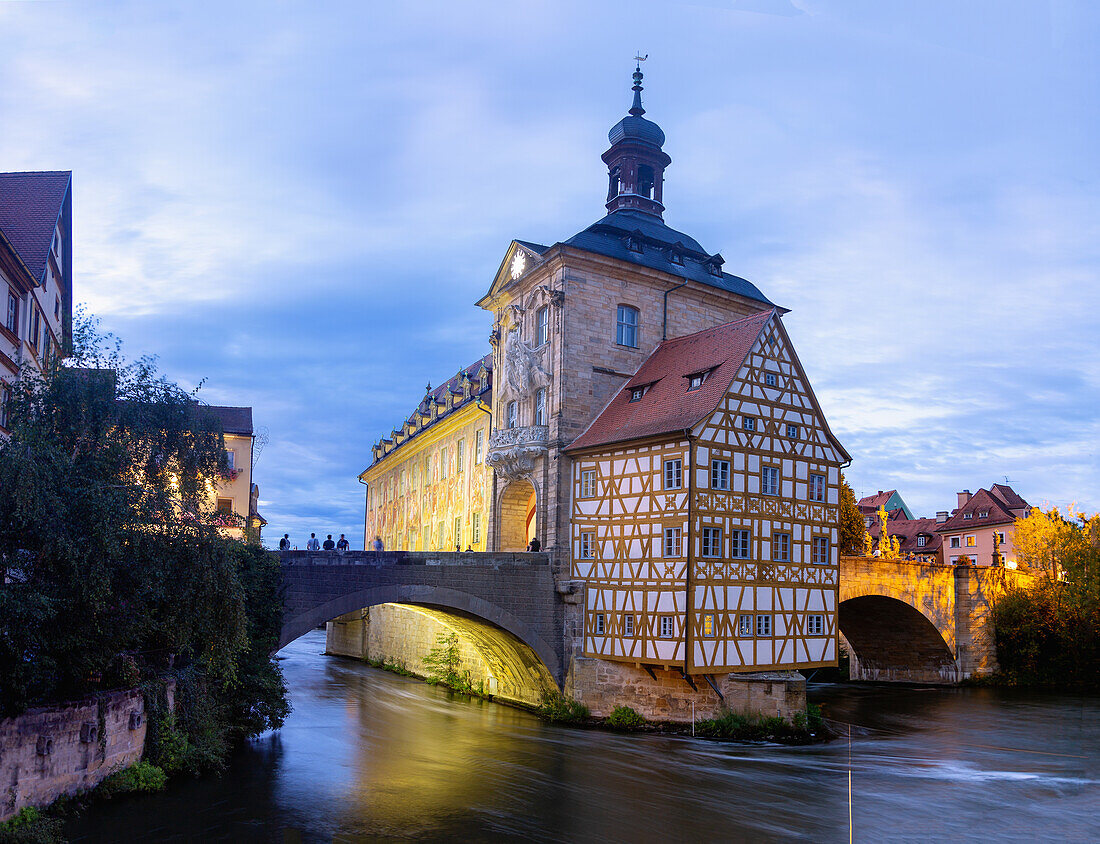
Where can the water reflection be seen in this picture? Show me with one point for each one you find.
(368, 755)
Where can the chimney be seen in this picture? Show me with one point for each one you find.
(941, 516)
(964, 498)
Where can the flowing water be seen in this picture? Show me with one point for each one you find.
(368, 755)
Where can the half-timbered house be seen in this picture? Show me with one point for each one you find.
(704, 514)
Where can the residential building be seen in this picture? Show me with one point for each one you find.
(889, 499)
(982, 522)
(917, 538)
(236, 498)
(35, 274)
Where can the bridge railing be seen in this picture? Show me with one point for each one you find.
(378, 559)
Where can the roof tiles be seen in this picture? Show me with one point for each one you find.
(30, 205)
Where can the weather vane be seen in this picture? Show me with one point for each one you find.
(639, 58)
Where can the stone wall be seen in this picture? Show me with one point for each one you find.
(601, 685)
(52, 751)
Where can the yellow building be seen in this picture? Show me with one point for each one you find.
(237, 495)
(428, 488)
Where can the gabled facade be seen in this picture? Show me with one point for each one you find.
(889, 499)
(983, 526)
(705, 509)
(236, 497)
(35, 274)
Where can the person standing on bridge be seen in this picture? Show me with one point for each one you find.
(329, 544)
(377, 544)
(284, 543)
(342, 543)
(313, 544)
(534, 545)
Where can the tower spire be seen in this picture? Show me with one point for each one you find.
(637, 109)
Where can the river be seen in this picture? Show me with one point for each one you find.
(367, 755)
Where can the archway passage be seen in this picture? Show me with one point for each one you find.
(490, 659)
(892, 641)
(517, 516)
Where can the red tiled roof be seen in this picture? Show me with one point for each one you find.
(30, 206)
(1008, 497)
(871, 503)
(907, 530)
(983, 500)
(667, 405)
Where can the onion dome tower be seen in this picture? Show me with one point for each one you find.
(635, 162)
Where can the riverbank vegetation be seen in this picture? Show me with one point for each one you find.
(1048, 633)
(113, 575)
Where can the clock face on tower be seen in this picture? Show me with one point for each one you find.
(519, 264)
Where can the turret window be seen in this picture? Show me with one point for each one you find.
(645, 180)
(626, 329)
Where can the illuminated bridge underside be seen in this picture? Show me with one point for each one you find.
(490, 658)
(506, 604)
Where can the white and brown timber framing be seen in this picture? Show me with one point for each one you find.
(686, 608)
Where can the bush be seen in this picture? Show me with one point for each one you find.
(144, 776)
(557, 708)
(625, 718)
(733, 725)
(30, 826)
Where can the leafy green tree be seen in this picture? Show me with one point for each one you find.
(852, 530)
(111, 570)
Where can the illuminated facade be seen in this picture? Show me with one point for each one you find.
(576, 327)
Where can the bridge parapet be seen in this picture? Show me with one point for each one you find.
(378, 559)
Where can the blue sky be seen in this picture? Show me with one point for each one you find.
(300, 203)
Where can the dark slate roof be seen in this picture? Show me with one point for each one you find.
(534, 247)
(30, 207)
(658, 242)
(637, 128)
(453, 386)
(998, 513)
(234, 420)
(667, 405)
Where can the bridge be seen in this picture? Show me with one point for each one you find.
(919, 622)
(506, 604)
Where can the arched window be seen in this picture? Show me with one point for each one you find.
(626, 330)
(540, 407)
(512, 414)
(645, 180)
(542, 325)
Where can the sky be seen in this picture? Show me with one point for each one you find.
(297, 205)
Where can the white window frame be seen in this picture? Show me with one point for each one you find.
(475, 529)
(674, 474)
(231, 458)
(588, 483)
(792, 432)
(770, 481)
(512, 414)
(817, 488)
(820, 551)
(781, 547)
(922, 540)
(815, 624)
(627, 323)
(588, 545)
(719, 474)
(956, 542)
(971, 541)
(460, 455)
(598, 626)
(540, 406)
(763, 624)
(673, 542)
(770, 379)
(748, 423)
(708, 618)
(711, 542)
(12, 316)
(744, 624)
(542, 325)
(741, 543)
(628, 624)
(479, 446)
(668, 627)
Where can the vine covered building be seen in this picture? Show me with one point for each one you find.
(644, 414)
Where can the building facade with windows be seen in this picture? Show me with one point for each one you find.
(981, 529)
(573, 326)
(705, 509)
(236, 496)
(35, 274)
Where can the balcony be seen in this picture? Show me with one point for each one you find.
(512, 451)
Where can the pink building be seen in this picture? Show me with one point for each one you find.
(969, 531)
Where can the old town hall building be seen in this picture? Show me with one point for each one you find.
(644, 414)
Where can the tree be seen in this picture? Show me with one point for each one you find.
(852, 530)
(110, 566)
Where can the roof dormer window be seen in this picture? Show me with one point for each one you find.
(696, 381)
(983, 514)
(676, 258)
(968, 515)
(637, 393)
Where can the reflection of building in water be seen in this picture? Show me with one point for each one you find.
(742, 563)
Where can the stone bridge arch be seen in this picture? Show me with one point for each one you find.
(506, 604)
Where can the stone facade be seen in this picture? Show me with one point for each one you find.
(54, 751)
